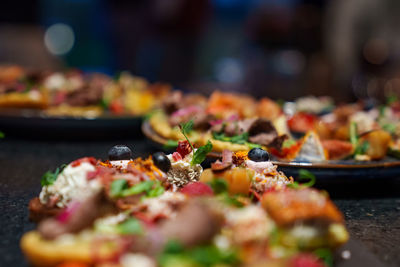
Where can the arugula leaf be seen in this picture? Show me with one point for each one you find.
(156, 191)
(391, 99)
(2, 135)
(137, 189)
(231, 200)
(237, 139)
(325, 255)
(130, 226)
(173, 246)
(170, 144)
(50, 177)
(304, 175)
(201, 153)
(219, 185)
(117, 187)
(211, 256)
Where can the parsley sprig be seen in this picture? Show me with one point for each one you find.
(50, 177)
(360, 147)
(186, 128)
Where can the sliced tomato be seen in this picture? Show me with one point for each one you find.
(197, 189)
(302, 122)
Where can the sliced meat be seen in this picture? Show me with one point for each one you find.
(39, 212)
(194, 224)
(291, 206)
(238, 127)
(82, 216)
(263, 138)
(261, 125)
(172, 102)
(278, 141)
(337, 149)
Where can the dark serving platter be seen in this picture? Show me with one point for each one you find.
(326, 171)
(34, 123)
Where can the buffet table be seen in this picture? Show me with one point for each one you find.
(372, 210)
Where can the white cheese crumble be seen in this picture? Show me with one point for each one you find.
(163, 205)
(136, 259)
(182, 172)
(123, 164)
(71, 183)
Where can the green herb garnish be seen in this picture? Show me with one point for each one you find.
(186, 128)
(304, 175)
(50, 177)
(130, 226)
(219, 185)
(361, 148)
(2, 135)
(236, 139)
(325, 255)
(201, 153)
(119, 188)
(170, 144)
(353, 134)
(389, 127)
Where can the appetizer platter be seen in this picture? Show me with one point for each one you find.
(166, 210)
(74, 100)
(310, 133)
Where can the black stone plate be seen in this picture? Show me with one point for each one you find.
(33, 123)
(326, 172)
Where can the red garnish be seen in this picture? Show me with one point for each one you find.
(306, 260)
(197, 189)
(302, 122)
(183, 148)
(176, 156)
(68, 211)
(78, 162)
(116, 107)
(255, 194)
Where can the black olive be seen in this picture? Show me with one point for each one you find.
(161, 161)
(258, 155)
(119, 152)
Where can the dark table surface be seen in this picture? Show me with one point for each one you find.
(372, 210)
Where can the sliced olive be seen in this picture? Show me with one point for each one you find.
(161, 161)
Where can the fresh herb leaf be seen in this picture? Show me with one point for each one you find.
(158, 190)
(252, 145)
(361, 148)
(137, 189)
(2, 135)
(130, 226)
(201, 153)
(50, 177)
(288, 143)
(237, 139)
(173, 247)
(325, 255)
(219, 186)
(170, 144)
(185, 129)
(353, 134)
(231, 200)
(104, 103)
(389, 127)
(211, 256)
(117, 187)
(391, 99)
(304, 175)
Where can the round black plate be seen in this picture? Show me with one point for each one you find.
(327, 171)
(32, 123)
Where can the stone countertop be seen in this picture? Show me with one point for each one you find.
(372, 211)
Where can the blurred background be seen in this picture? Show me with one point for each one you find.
(348, 49)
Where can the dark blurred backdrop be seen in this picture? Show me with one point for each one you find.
(347, 49)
